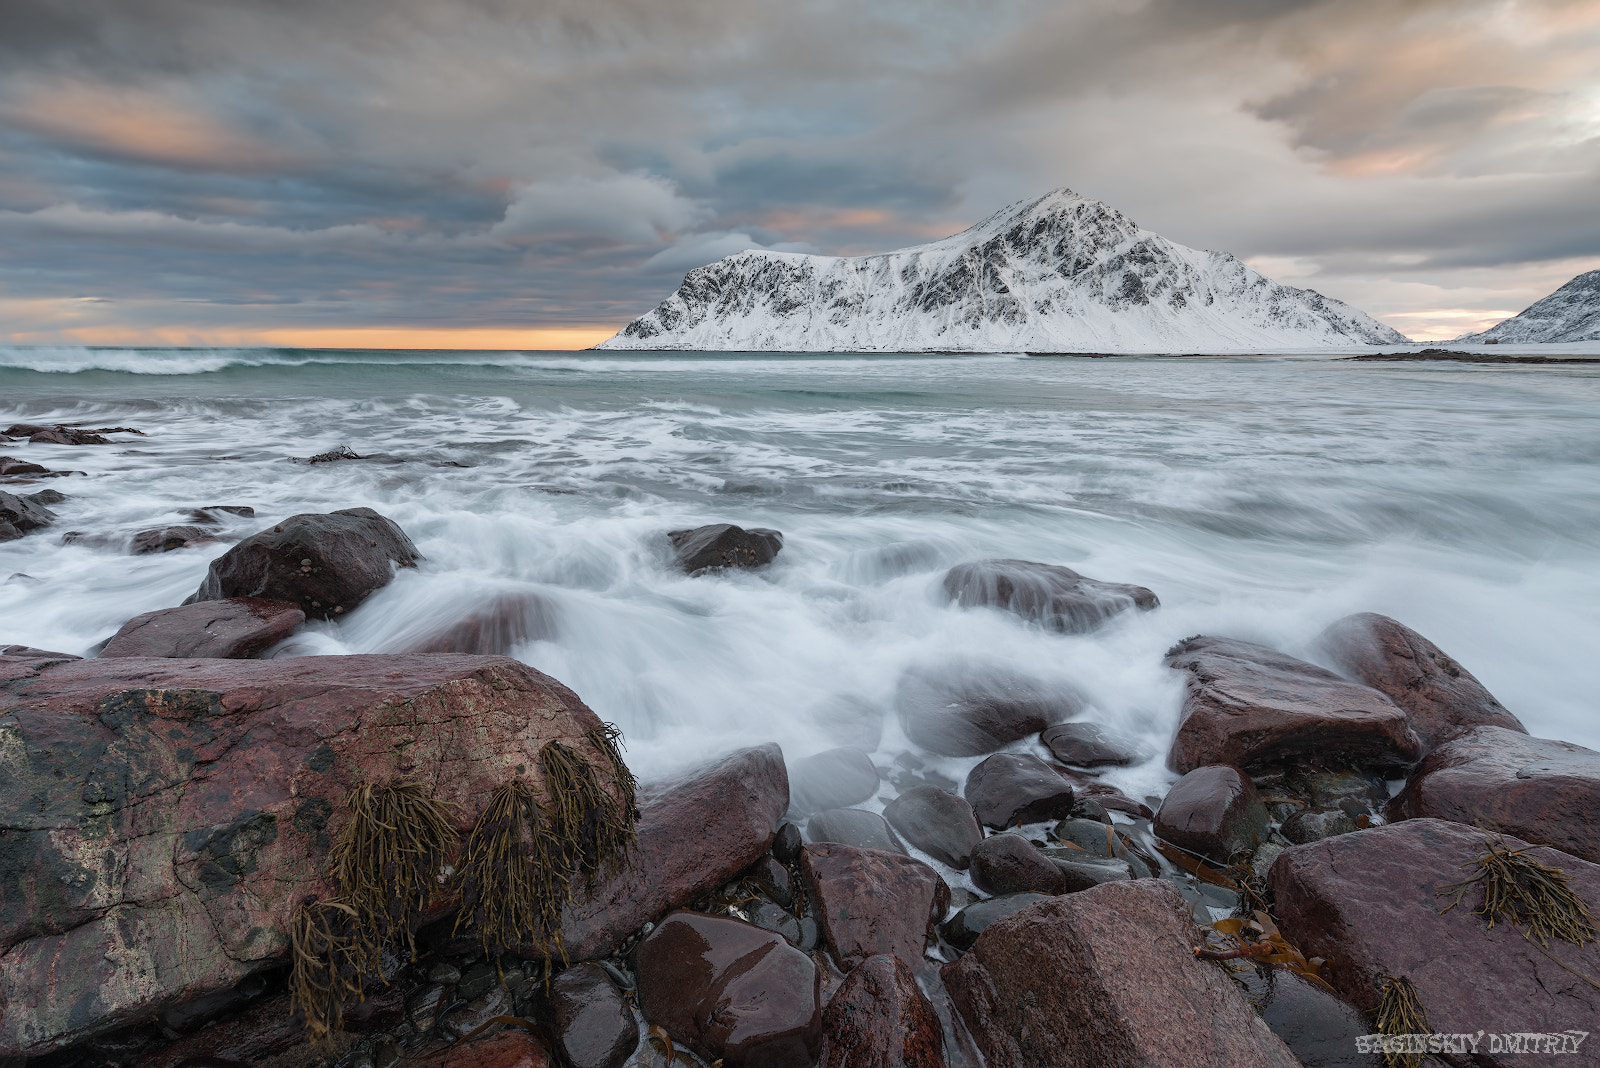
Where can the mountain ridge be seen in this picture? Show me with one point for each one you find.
(1571, 313)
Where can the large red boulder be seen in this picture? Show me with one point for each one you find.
(1376, 903)
(1106, 977)
(880, 1018)
(1540, 790)
(1441, 698)
(872, 901)
(235, 628)
(164, 817)
(326, 564)
(1254, 707)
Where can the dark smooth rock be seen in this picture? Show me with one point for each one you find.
(1536, 789)
(262, 1030)
(1081, 873)
(1313, 824)
(871, 901)
(1010, 864)
(478, 1015)
(1087, 745)
(837, 778)
(963, 929)
(1096, 840)
(14, 467)
(20, 516)
(852, 827)
(774, 879)
(770, 917)
(967, 709)
(177, 810)
(786, 844)
(493, 628)
(1374, 903)
(1056, 597)
(1011, 788)
(880, 1018)
(211, 514)
(236, 628)
(60, 434)
(28, 652)
(1326, 788)
(1319, 1029)
(724, 545)
(166, 539)
(326, 564)
(1441, 698)
(937, 822)
(591, 1024)
(1087, 808)
(511, 1048)
(47, 497)
(475, 982)
(1105, 977)
(1214, 811)
(1253, 707)
(730, 990)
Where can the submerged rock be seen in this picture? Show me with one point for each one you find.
(1537, 789)
(937, 822)
(1214, 811)
(493, 628)
(836, 778)
(1056, 597)
(880, 1018)
(1087, 745)
(1440, 697)
(172, 813)
(235, 628)
(731, 991)
(852, 827)
(14, 468)
(166, 539)
(1011, 788)
(1252, 707)
(723, 545)
(21, 515)
(1105, 977)
(326, 564)
(968, 709)
(870, 901)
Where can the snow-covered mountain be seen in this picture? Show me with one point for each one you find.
(1571, 313)
(1058, 274)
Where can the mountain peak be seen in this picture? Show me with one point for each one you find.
(1571, 313)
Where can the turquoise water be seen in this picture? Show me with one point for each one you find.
(1260, 498)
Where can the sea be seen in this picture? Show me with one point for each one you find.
(1261, 498)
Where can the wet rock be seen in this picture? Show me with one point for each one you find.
(775, 879)
(1261, 863)
(444, 973)
(20, 516)
(837, 778)
(506, 1049)
(870, 901)
(967, 709)
(695, 833)
(786, 844)
(236, 628)
(1252, 707)
(1087, 808)
(880, 1018)
(10, 467)
(478, 1015)
(475, 982)
(1325, 788)
(47, 497)
(1105, 977)
(60, 434)
(1096, 840)
(28, 652)
(172, 812)
(1011, 788)
(937, 822)
(1311, 825)
(724, 545)
(326, 564)
(1214, 811)
(212, 514)
(262, 1030)
(1374, 903)
(1087, 745)
(963, 929)
(1010, 864)
(193, 1015)
(493, 628)
(1319, 1029)
(1057, 598)
(592, 1025)
(166, 539)
(732, 991)
(1440, 697)
(852, 827)
(1081, 873)
(1537, 789)
(850, 720)
(770, 917)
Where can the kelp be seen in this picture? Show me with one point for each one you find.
(1259, 939)
(1526, 893)
(592, 828)
(1400, 1012)
(333, 954)
(386, 861)
(514, 875)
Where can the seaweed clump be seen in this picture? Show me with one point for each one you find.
(333, 953)
(514, 876)
(1527, 893)
(1400, 1012)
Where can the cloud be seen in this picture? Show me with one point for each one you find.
(621, 209)
(697, 250)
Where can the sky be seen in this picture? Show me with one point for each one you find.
(522, 174)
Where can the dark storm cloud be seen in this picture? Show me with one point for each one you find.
(454, 162)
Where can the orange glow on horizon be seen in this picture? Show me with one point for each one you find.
(545, 338)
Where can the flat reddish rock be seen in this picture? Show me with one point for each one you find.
(871, 901)
(1540, 790)
(1105, 977)
(880, 1018)
(1370, 903)
(694, 834)
(1254, 707)
(1441, 698)
(236, 628)
(731, 991)
(171, 813)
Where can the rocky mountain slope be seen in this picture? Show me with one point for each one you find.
(1571, 313)
(1061, 273)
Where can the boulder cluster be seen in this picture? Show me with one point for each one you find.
(195, 873)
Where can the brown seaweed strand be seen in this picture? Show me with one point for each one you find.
(514, 876)
(333, 952)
